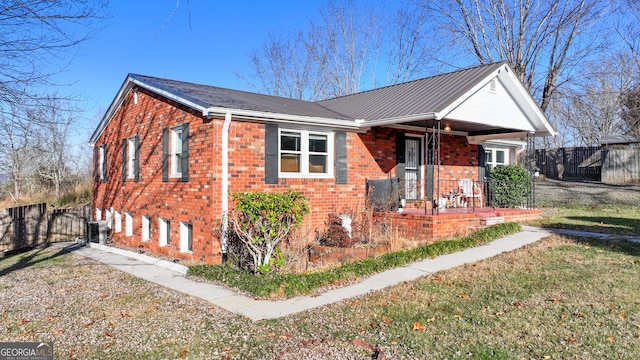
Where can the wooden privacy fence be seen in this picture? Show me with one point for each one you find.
(33, 225)
(564, 163)
(620, 165)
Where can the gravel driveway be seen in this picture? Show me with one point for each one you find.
(554, 193)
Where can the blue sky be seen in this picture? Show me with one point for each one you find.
(208, 48)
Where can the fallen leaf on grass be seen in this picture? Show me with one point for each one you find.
(431, 319)
(463, 296)
(578, 314)
(386, 320)
(23, 321)
(417, 326)
(285, 336)
(517, 304)
(57, 332)
(124, 314)
(89, 323)
(622, 316)
(183, 353)
(271, 334)
(611, 339)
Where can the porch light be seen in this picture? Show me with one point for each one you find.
(447, 127)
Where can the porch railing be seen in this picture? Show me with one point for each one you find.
(391, 193)
(467, 193)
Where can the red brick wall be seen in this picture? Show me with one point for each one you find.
(174, 200)
(369, 156)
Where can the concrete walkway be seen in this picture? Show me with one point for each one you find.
(173, 276)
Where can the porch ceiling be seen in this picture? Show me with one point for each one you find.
(465, 128)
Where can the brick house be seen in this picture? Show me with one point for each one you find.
(167, 154)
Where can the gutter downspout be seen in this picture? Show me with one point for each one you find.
(225, 185)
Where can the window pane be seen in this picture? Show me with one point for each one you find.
(178, 145)
(317, 143)
(290, 163)
(178, 166)
(317, 163)
(290, 141)
(500, 156)
(488, 156)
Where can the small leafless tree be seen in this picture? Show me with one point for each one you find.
(542, 39)
(355, 46)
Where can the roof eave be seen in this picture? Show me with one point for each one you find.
(346, 124)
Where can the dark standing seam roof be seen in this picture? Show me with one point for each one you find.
(211, 96)
(423, 96)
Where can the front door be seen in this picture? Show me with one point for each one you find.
(412, 168)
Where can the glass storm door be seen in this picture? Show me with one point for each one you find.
(412, 169)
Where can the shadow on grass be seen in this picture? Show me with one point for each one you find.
(619, 245)
(600, 224)
(32, 256)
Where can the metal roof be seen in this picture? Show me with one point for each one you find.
(211, 96)
(423, 96)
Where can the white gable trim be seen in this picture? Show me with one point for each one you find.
(533, 119)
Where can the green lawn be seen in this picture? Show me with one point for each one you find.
(610, 219)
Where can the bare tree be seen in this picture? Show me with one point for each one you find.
(53, 165)
(544, 40)
(631, 110)
(590, 109)
(37, 40)
(353, 47)
(37, 36)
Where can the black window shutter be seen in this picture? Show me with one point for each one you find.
(341, 157)
(400, 160)
(96, 163)
(124, 160)
(271, 154)
(482, 163)
(104, 164)
(165, 154)
(136, 163)
(184, 160)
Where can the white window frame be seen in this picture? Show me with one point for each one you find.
(494, 159)
(128, 224)
(131, 157)
(98, 214)
(186, 237)
(146, 228)
(102, 160)
(305, 154)
(175, 150)
(109, 218)
(165, 228)
(117, 219)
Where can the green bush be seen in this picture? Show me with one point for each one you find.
(261, 220)
(511, 185)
